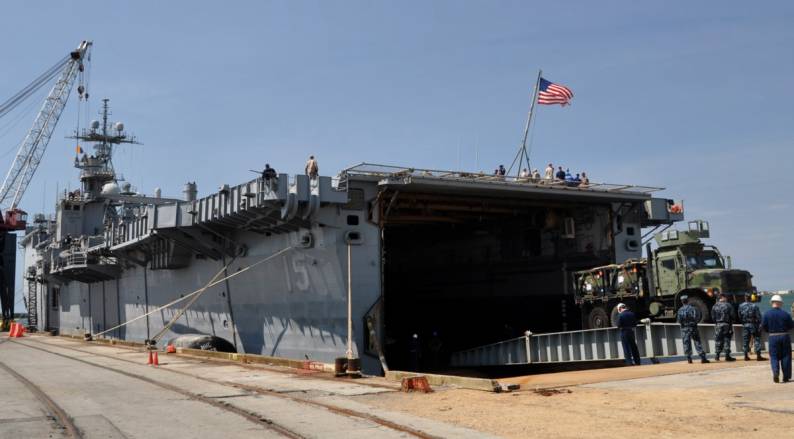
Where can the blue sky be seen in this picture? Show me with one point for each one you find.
(692, 96)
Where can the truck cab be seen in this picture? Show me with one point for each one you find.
(683, 264)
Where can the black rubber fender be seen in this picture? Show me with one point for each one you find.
(203, 342)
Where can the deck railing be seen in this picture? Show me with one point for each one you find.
(389, 171)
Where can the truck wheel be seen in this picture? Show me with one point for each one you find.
(597, 318)
(705, 314)
(613, 316)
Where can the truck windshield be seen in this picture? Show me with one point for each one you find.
(705, 259)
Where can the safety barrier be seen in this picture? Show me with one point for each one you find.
(654, 340)
(16, 330)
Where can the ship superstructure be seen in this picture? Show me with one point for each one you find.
(455, 257)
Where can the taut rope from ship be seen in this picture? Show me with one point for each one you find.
(182, 311)
(197, 292)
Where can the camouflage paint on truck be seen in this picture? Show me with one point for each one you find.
(681, 264)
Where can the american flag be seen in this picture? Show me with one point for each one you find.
(550, 93)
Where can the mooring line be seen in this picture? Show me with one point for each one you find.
(182, 311)
(194, 293)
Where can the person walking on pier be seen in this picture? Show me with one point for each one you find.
(777, 323)
(750, 316)
(723, 316)
(627, 321)
(688, 317)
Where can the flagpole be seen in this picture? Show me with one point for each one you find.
(531, 113)
(522, 152)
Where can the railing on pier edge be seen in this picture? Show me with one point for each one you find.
(654, 340)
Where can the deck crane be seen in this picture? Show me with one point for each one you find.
(28, 158)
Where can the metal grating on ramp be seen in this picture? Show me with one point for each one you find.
(654, 340)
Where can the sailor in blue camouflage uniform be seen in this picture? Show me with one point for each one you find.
(723, 316)
(750, 316)
(688, 317)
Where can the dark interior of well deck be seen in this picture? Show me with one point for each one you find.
(476, 271)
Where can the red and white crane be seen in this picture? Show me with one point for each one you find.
(32, 148)
(30, 153)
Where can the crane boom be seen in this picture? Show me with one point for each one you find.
(27, 161)
(32, 148)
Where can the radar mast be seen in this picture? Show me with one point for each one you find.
(97, 169)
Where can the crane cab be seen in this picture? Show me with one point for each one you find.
(15, 219)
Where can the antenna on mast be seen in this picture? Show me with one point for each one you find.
(97, 169)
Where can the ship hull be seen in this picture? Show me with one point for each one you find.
(293, 305)
(432, 263)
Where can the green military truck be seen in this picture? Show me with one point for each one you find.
(651, 287)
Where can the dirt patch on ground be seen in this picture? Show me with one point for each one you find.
(550, 392)
(725, 403)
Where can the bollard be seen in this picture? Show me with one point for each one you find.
(340, 366)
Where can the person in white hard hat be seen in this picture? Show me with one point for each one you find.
(778, 323)
(627, 321)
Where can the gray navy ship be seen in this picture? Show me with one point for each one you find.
(435, 261)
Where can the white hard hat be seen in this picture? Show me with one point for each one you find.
(621, 305)
(776, 298)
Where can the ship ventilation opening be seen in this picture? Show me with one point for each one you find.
(462, 272)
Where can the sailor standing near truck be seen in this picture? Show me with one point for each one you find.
(723, 316)
(750, 316)
(627, 321)
(688, 317)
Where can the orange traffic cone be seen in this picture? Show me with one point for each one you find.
(20, 330)
(156, 360)
(170, 349)
(14, 332)
(151, 360)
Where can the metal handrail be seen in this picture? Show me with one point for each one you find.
(655, 340)
(391, 171)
